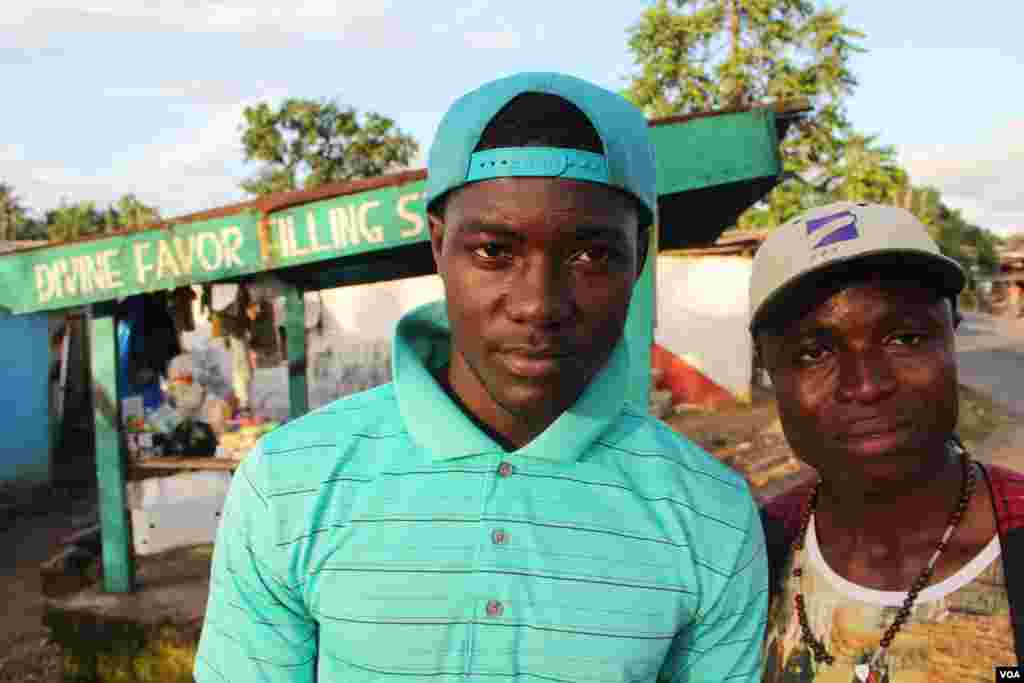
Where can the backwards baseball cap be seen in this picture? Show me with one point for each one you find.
(807, 250)
(627, 163)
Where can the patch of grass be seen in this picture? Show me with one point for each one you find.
(980, 416)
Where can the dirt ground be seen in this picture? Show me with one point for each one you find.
(25, 653)
(747, 437)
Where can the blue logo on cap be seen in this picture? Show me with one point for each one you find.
(836, 227)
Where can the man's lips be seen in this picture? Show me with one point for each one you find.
(534, 361)
(866, 429)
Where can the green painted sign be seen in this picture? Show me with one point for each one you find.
(369, 221)
(691, 154)
(121, 265)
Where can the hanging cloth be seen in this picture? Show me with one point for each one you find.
(181, 307)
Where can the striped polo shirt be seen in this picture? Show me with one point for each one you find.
(385, 537)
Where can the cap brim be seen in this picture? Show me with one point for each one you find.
(933, 271)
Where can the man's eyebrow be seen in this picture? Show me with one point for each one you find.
(895, 317)
(582, 232)
(816, 331)
(498, 229)
(597, 232)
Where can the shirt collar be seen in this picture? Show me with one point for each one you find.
(422, 344)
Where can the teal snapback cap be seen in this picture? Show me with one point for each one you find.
(627, 163)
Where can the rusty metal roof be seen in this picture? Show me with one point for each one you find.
(8, 246)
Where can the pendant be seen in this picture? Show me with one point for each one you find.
(865, 674)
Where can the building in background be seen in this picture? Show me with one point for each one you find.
(703, 352)
(24, 402)
(1002, 293)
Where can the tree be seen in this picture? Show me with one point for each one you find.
(69, 222)
(129, 212)
(867, 172)
(975, 248)
(306, 143)
(696, 55)
(33, 229)
(12, 214)
(986, 243)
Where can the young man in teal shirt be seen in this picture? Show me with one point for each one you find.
(499, 510)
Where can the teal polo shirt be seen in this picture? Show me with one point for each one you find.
(385, 537)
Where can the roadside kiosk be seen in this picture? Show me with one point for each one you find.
(711, 167)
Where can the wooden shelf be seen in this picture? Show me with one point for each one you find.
(165, 463)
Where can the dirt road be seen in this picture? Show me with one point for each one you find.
(24, 653)
(990, 355)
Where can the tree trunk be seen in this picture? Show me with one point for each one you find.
(734, 48)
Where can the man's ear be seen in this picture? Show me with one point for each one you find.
(437, 230)
(643, 244)
(759, 357)
(954, 312)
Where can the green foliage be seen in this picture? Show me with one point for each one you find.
(129, 212)
(868, 172)
(33, 229)
(70, 222)
(306, 143)
(698, 55)
(987, 257)
(975, 248)
(12, 214)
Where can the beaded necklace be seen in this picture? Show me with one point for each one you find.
(869, 672)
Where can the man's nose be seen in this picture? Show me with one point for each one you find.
(866, 376)
(542, 295)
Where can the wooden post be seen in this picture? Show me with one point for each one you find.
(115, 523)
(295, 338)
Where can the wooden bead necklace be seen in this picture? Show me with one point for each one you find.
(869, 672)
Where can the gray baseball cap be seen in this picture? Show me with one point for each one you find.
(806, 248)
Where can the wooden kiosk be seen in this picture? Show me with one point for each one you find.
(711, 167)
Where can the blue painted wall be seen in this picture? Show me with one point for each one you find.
(24, 398)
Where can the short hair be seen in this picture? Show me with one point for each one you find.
(540, 120)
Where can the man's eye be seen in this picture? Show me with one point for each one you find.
(490, 252)
(592, 255)
(812, 354)
(909, 339)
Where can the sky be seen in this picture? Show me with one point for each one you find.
(108, 97)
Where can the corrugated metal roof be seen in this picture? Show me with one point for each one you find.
(7, 246)
(729, 244)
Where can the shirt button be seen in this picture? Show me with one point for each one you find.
(504, 469)
(499, 537)
(494, 608)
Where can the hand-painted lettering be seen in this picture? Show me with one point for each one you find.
(231, 240)
(315, 247)
(166, 265)
(413, 217)
(373, 234)
(184, 248)
(113, 275)
(44, 285)
(209, 258)
(141, 266)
